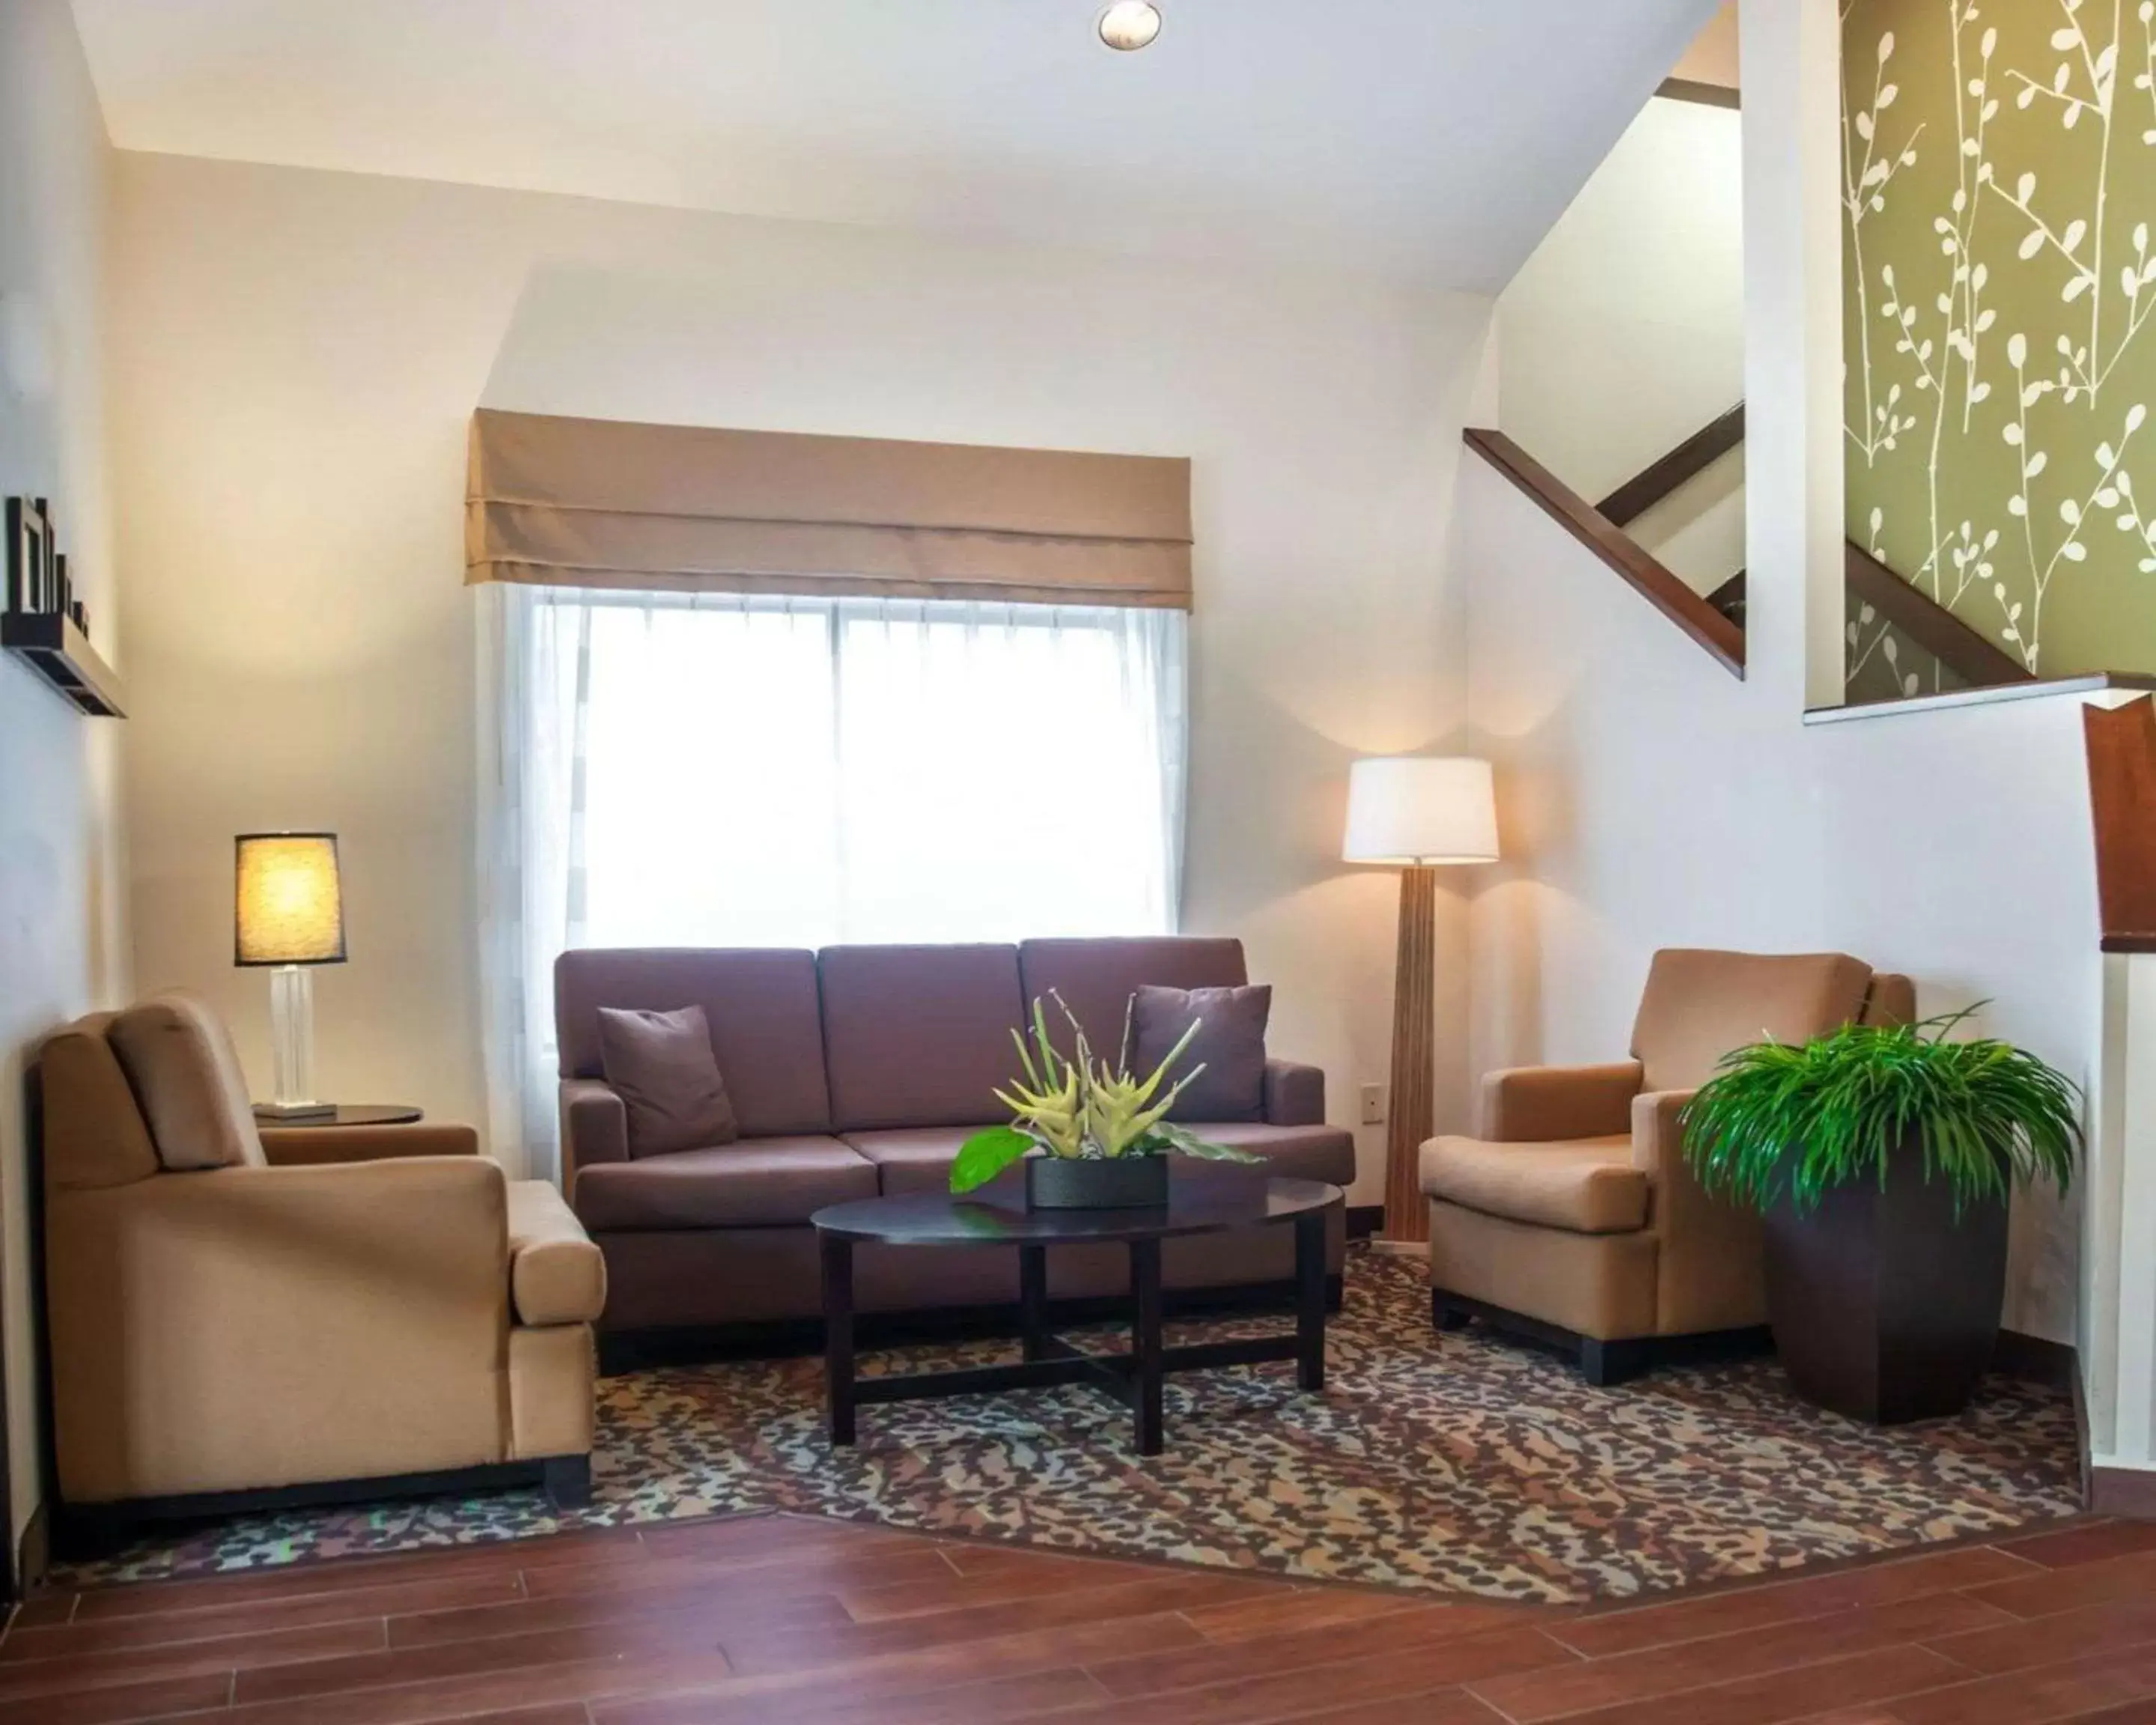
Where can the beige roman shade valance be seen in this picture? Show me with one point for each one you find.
(606, 503)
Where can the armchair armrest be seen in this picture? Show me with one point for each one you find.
(1295, 1094)
(316, 1145)
(1712, 1269)
(215, 1330)
(594, 1127)
(1535, 1105)
(555, 1275)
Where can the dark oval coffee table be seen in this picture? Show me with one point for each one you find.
(1215, 1203)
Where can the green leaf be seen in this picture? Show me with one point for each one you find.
(1184, 1141)
(987, 1154)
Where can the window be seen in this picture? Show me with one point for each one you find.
(715, 769)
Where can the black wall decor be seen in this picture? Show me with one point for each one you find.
(43, 623)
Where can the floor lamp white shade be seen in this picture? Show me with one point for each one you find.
(1420, 809)
(1416, 812)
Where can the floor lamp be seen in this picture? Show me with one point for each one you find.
(1416, 813)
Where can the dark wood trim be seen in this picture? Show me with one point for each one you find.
(2018, 1354)
(2125, 1491)
(2120, 746)
(1664, 591)
(1928, 624)
(1694, 90)
(1693, 456)
(33, 1554)
(1364, 1220)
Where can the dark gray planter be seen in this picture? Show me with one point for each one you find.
(1885, 1302)
(1121, 1183)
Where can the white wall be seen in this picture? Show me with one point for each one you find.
(1624, 333)
(1653, 799)
(296, 356)
(61, 951)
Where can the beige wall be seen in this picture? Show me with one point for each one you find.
(61, 947)
(296, 356)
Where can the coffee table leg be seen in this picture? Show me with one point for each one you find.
(839, 1336)
(1145, 1343)
(1033, 1299)
(1310, 1299)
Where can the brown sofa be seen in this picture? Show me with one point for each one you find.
(1573, 1215)
(238, 1315)
(858, 1070)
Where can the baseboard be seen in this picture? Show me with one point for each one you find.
(2126, 1491)
(1365, 1219)
(2020, 1355)
(33, 1555)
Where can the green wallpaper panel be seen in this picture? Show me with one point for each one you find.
(1999, 269)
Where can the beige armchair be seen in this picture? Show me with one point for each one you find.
(237, 1317)
(1573, 1217)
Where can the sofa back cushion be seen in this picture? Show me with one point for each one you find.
(918, 1035)
(92, 1133)
(1699, 1005)
(1097, 978)
(186, 1079)
(760, 1003)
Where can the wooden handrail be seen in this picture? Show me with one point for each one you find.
(1928, 624)
(1697, 453)
(1646, 577)
(2121, 742)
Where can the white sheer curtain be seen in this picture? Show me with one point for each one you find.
(722, 770)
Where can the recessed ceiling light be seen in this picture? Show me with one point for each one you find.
(1129, 25)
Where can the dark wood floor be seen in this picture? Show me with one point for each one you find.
(818, 1623)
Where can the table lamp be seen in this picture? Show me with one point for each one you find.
(1416, 813)
(289, 913)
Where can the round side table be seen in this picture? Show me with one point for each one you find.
(348, 1114)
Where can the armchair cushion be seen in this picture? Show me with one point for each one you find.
(1542, 1105)
(1582, 1185)
(187, 1078)
(1698, 1005)
(555, 1275)
(313, 1146)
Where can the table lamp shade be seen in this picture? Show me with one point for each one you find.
(289, 907)
(1420, 808)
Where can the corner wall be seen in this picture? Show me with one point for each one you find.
(62, 949)
(1654, 800)
(297, 354)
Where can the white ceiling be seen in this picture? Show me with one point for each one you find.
(1440, 137)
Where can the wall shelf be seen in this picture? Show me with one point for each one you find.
(52, 646)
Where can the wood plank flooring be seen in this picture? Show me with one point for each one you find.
(797, 1621)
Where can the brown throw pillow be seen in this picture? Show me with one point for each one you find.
(1231, 1047)
(661, 1064)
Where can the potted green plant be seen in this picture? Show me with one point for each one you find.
(1881, 1160)
(1093, 1136)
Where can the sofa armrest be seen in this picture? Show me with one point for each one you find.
(594, 1126)
(1295, 1094)
(1540, 1105)
(1712, 1269)
(316, 1145)
(555, 1275)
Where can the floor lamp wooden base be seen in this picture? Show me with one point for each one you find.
(1415, 1056)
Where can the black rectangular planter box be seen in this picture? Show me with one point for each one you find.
(1121, 1183)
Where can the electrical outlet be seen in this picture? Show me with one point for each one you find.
(1373, 1105)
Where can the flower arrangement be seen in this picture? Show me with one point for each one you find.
(1081, 1109)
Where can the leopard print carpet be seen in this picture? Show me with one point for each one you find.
(1463, 1462)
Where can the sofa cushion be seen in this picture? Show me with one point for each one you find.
(917, 1035)
(919, 1158)
(761, 1004)
(94, 1134)
(661, 1065)
(1699, 1005)
(1582, 1185)
(1097, 978)
(1293, 1153)
(1229, 1047)
(757, 1182)
(186, 1076)
(555, 1275)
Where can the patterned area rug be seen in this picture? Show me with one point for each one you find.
(1462, 1462)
